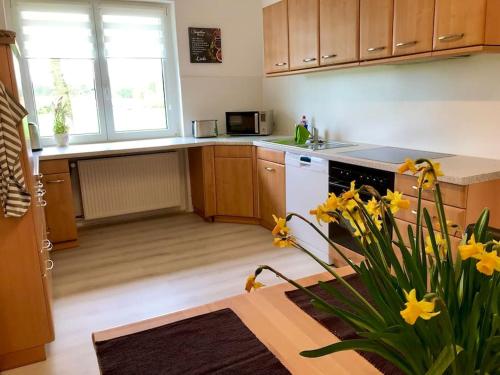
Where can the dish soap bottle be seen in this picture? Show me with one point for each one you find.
(303, 121)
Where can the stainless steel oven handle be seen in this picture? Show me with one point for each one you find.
(256, 119)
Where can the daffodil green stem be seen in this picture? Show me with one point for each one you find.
(341, 280)
(330, 242)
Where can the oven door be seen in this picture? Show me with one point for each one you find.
(339, 233)
(242, 123)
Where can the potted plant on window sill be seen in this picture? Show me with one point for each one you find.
(62, 116)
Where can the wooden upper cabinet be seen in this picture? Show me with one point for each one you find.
(338, 31)
(459, 23)
(303, 18)
(413, 26)
(376, 18)
(276, 37)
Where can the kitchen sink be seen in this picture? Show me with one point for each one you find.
(320, 145)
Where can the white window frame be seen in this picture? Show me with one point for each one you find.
(107, 132)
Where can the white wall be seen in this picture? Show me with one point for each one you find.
(209, 90)
(4, 14)
(449, 106)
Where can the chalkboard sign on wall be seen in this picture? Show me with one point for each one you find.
(205, 45)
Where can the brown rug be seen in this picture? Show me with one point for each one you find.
(214, 343)
(335, 325)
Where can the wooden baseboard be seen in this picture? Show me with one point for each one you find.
(66, 245)
(22, 357)
(237, 219)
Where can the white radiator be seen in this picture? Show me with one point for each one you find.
(129, 184)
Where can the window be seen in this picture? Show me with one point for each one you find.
(109, 62)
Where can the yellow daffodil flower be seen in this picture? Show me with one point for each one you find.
(282, 242)
(488, 262)
(373, 207)
(417, 309)
(348, 198)
(252, 284)
(472, 249)
(396, 201)
(322, 214)
(437, 169)
(408, 165)
(440, 242)
(332, 203)
(427, 178)
(280, 228)
(322, 211)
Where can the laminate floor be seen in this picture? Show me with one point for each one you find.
(132, 271)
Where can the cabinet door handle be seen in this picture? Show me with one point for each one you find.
(280, 64)
(49, 264)
(309, 59)
(376, 49)
(269, 169)
(414, 187)
(328, 56)
(47, 245)
(450, 37)
(406, 44)
(54, 181)
(414, 212)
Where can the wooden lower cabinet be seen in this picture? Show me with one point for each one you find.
(234, 186)
(237, 183)
(271, 180)
(59, 211)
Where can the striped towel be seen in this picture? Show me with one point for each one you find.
(14, 197)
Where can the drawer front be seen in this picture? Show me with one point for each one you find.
(233, 151)
(403, 228)
(453, 195)
(54, 166)
(456, 215)
(271, 155)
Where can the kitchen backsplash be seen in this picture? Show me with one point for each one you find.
(448, 106)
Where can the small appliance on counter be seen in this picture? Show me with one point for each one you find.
(34, 137)
(204, 128)
(249, 123)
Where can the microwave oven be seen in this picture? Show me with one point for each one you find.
(249, 123)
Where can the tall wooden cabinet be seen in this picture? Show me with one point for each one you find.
(25, 309)
(338, 31)
(303, 18)
(275, 19)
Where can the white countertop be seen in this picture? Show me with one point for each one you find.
(461, 170)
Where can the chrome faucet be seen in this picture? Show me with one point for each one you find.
(314, 135)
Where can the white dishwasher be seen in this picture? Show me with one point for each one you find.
(306, 188)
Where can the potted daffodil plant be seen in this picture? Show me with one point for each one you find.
(432, 309)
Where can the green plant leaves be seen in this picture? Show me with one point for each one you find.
(444, 360)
